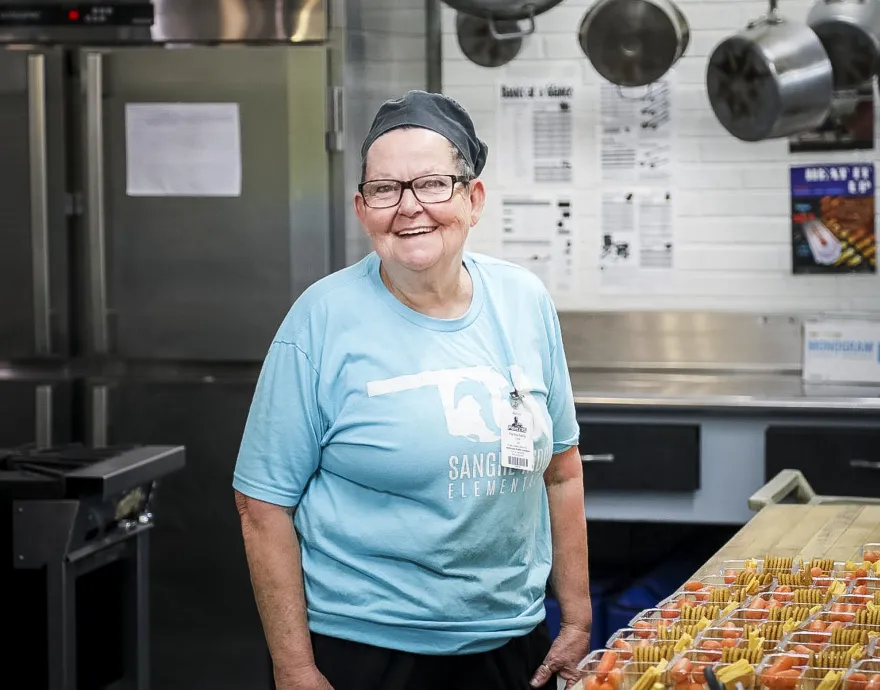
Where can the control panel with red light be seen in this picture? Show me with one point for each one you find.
(77, 14)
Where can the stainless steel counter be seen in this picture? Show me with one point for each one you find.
(719, 391)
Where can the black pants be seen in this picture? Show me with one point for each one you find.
(355, 666)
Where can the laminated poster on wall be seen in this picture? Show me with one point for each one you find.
(849, 127)
(183, 149)
(832, 219)
(637, 238)
(536, 233)
(535, 131)
(636, 134)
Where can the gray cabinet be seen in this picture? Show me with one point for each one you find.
(639, 456)
(836, 461)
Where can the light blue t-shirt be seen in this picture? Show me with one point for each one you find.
(381, 425)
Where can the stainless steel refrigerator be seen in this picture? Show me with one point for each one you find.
(139, 288)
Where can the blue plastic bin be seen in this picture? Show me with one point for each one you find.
(600, 629)
(646, 593)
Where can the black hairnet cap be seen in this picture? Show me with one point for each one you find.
(432, 111)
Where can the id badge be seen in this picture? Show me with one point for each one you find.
(517, 446)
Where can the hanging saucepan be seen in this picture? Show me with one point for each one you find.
(633, 42)
(480, 46)
(507, 11)
(773, 79)
(850, 32)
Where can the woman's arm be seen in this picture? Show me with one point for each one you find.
(276, 574)
(570, 573)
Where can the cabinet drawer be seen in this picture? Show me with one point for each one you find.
(836, 461)
(640, 457)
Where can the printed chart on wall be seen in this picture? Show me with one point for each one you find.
(832, 219)
(637, 244)
(536, 124)
(536, 234)
(849, 127)
(636, 134)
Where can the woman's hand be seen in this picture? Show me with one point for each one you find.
(567, 651)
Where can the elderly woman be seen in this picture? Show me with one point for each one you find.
(414, 415)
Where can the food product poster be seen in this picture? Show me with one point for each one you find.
(832, 219)
(849, 127)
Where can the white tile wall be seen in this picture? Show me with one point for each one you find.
(732, 230)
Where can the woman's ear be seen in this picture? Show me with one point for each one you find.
(477, 195)
(360, 208)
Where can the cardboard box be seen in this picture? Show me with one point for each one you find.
(841, 351)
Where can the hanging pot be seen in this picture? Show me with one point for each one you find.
(479, 43)
(633, 42)
(503, 12)
(850, 32)
(773, 79)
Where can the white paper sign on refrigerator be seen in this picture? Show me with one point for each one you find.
(841, 351)
(183, 149)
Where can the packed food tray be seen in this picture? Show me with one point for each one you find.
(765, 623)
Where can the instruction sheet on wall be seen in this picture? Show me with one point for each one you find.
(636, 134)
(536, 234)
(182, 149)
(536, 125)
(637, 238)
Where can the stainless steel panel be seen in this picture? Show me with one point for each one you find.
(243, 20)
(741, 391)
(43, 414)
(34, 410)
(33, 318)
(95, 206)
(682, 340)
(699, 360)
(39, 183)
(205, 629)
(211, 278)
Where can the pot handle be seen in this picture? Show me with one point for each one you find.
(493, 29)
(772, 16)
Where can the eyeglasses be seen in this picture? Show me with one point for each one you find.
(428, 189)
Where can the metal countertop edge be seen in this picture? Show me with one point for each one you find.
(728, 402)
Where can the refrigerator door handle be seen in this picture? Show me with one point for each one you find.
(39, 202)
(44, 416)
(100, 399)
(94, 92)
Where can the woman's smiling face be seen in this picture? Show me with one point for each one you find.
(413, 234)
